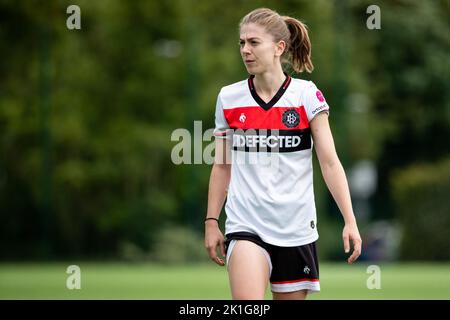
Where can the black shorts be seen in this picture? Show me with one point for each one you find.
(291, 268)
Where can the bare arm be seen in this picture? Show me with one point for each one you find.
(336, 181)
(218, 185)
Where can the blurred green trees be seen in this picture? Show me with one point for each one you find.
(421, 193)
(86, 115)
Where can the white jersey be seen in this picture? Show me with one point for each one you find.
(271, 187)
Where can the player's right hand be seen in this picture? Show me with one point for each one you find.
(213, 239)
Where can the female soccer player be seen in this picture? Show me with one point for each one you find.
(266, 127)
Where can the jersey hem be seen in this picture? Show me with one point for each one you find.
(275, 242)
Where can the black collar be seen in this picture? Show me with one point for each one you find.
(276, 97)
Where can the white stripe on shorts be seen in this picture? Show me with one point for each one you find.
(311, 286)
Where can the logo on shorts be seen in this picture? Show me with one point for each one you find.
(291, 118)
(312, 224)
(306, 270)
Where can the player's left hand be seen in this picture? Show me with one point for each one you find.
(350, 234)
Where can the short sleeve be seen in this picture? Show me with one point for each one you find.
(314, 101)
(222, 127)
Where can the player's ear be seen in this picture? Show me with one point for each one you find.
(279, 48)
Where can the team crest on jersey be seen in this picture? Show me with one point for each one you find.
(291, 118)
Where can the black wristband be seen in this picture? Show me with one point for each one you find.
(212, 219)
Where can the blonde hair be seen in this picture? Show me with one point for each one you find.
(292, 31)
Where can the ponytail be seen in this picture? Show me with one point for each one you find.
(300, 45)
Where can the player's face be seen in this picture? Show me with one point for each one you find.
(258, 50)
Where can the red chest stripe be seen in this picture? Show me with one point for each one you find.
(258, 118)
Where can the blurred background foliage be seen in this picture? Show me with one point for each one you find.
(86, 118)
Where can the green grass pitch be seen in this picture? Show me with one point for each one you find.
(208, 281)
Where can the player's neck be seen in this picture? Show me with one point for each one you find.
(268, 83)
